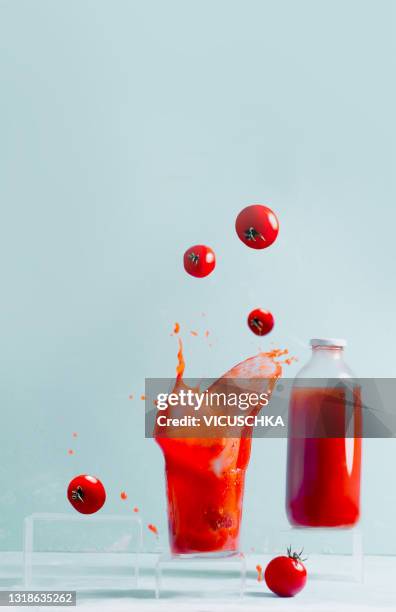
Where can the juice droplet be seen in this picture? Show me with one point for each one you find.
(136, 509)
(206, 333)
(153, 529)
(123, 495)
(259, 570)
(130, 397)
(74, 434)
(180, 361)
(193, 333)
(70, 451)
(143, 397)
(176, 328)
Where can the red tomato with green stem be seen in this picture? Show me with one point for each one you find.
(257, 226)
(286, 576)
(86, 494)
(260, 321)
(199, 260)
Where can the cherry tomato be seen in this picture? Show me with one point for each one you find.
(86, 494)
(257, 226)
(260, 321)
(199, 260)
(286, 576)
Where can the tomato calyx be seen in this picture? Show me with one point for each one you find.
(78, 494)
(255, 322)
(252, 234)
(295, 555)
(194, 258)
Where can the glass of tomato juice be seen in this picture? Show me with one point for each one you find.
(205, 477)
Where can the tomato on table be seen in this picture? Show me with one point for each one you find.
(286, 575)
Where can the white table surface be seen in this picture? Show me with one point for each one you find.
(377, 592)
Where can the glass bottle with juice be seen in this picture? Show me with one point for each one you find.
(324, 441)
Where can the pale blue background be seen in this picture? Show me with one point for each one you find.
(131, 130)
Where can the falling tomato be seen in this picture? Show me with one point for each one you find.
(86, 494)
(257, 226)
(199, 260)
(260, 321)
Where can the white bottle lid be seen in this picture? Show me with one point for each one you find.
(327, 342)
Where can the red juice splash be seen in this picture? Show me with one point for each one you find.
(180, 362)
(260, 576)
(123, 495)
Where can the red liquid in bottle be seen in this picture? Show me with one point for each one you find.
(324, 449)
(323, 474)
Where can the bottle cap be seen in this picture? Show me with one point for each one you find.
(328, 342)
